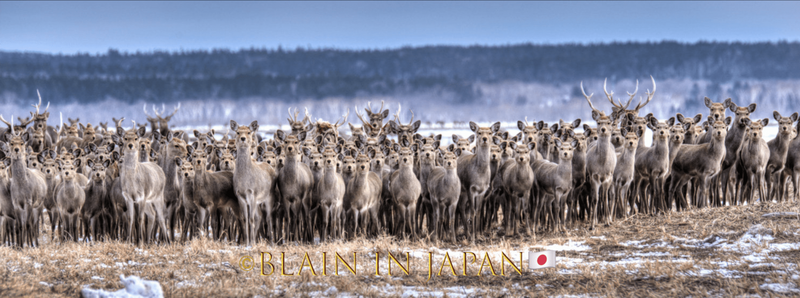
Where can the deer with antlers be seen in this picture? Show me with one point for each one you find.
(160, 122)
(403, 130)
(601, 159)
(28, 187)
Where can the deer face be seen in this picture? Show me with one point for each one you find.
(38, 139)
(245, 135)
(376, 119)
(130, 140)
(177, 148)
(716, 110)
(331, 159)
(185, 169)
(317, 161)
(40, 120)
(348, 165)
(604, 128)
(198, 158)
(145, 145)
(495, 153)
(449, 160)
(89, 133)
(631, 140)
(617, 137)
(362, 164)
(565, 149)
(785, 123)
(484, 135)
(757, 128)
(16, 146)
(678, 133)
(742, 113)
(719, 129)
(428, 154)
(98, 173)
(68, 170)
(49, 168)
(660, 130)
(33, 162)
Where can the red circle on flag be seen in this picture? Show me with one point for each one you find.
(541, 260)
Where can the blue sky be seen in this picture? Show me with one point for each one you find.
(69, 27)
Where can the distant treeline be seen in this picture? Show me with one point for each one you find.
(318, 73)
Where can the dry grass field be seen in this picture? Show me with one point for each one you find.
(731, 251)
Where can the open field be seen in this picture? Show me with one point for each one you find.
(729, 251)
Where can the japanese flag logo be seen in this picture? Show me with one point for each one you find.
(544, 259)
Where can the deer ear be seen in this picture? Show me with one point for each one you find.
(396, 147)
(652, 123)
(307, 151)
(471, 139)
(115, 155)
(513, 145)
(639, 133)
(234, 125)
(727, 103)
(280, 135)
(340, 157)
(697, 118)
(574, 143)
(196, 134)
(179, 161)
(687, 126)
(764, 121)
(77, 162)
(680, 117)
(25, 137)
(557, 134)
(141, 131)
(557, 142)
(458, 152)
(532, 146)
(576, 123)
(503, 146)
(109, 148)
(747, 121)
(473, 126)
(254, 126)
(455, 138)
(794, 116)
(210, 149)
(595, 115)
(520, 125)
(624, 131)
(106, 163)
(371, 153)
(496, 140)
(671, 121)
(776, 115)
(707, 101)
(504, 135)
(496, 127)
(191, 148)
(40, 158)
(415, 126)
(385, 113)
(732, 106)
(751, 107)
(728, 120)
(218, 152)
(451, 147)
(540, 125)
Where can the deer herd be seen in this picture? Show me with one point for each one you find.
(161, 185)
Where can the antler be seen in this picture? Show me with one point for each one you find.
(37, 106)
(6, 122)
(24, 122)
(144, 109)
(588, 97)
(359, 115)
(526, 118)
(631, 95)
(307, 117)
(397, 114)
(178, 107)
(649, 95)
(412, 117)
(345, 118)
(119, 122)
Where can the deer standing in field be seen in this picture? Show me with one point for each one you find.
(403, 130)
(253, 183)
(753, 159)
(28, 188)
(554, 181)
(690, 134)
(701, 162)
(601, 159)
(142, 184)
(406, 188)
(330, 190)
(652, 166)
(445, 187)
(475, 175)
(778, 150)
(97, 203)
(733, 141)
(8, 216)
(295, 182)
(624, 173)
(363, 193)
(70, 198)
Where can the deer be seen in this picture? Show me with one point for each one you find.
(623, 112)
(554, 181)
(28, 187)
(601, 158)
(8, 216)
(70, 197)
(515, 177)
(172, 189)
(160, 122)
(254, 184)
(363, 192)
(426, 160)
(445, 188)
(330, 191)
(142, 184)
(97, 202)
(778, 150)
(475, 174)
(401, 130)
(405, 187)
(733, 142)
(753, 159)
(298, 126)
(624, 173)
(691, 134)
(295, 182)
(40, 122)
(652, 166)
(376, 118)
(211, 193)
(701, 162)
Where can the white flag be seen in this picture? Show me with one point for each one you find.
(544, 259)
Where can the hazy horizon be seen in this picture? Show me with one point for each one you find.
(95, 27)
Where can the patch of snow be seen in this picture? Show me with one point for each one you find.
(37, 265)
(46, 284)
(97, 278)
(780, 288)
(570, 245)
(134, 287)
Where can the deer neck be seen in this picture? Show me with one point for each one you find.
(482, 156)
(130, 163)
(565, 167)
(674, 147)
(661, 147)
(243, 161)
(19, 169)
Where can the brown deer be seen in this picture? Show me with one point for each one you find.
(298, 126)
(329, 191)
(295, 182)
(70, 197)
(623, 173)
(652, 166)
(601, 159)
(701, 162)
(40, 122)
(623, 112)
(753, 159)
(142, 184)
(445, 187)
(475, 174)
(28, 188)
(363, 193)
(401, 130)
(554, 182)
(97, 202)
(8, 216)
(778, 149)
(253, 183)
(376, 118)
(733, 142)
(516, 179)
(406, 188)
(691, 134)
